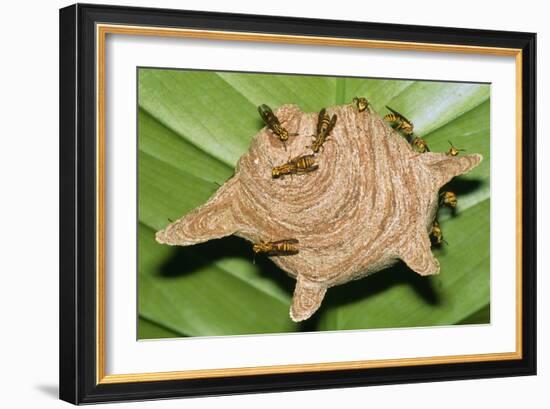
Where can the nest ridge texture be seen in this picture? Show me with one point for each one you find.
(371, 202)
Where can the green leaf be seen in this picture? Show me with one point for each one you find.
(482, 316)
(151, 330)
(188, 291)
(194, 126)
(165, 192)
(165, 145)
(433, 104)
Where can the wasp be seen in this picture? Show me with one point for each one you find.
(361, 103)
(285, 247)
(436, 234)
(296, 166)
(453, 150)
(399, 122)
(419, 145)
(448, 199)
(272, 122)
(325, 124)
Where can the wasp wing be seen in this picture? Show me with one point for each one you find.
(320, 120)
(267, 115)
(311, 168)
(393, 111)
(332, 123)
(290, 241)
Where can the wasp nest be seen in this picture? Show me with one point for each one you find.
(371, 202)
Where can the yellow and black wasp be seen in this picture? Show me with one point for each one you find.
(287, 247)
(436, 234)
(361, 103)
(325, 124)
(399, 122)
(448, 198)
(272, 122)
(419, 145)
(453, 150)
(296, 166)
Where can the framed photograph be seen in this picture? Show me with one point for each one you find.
(257, 203)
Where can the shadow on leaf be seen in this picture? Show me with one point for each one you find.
(381, 281)
(189, 260)
(460, 186)
(463, 186)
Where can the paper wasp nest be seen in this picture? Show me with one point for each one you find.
(371, 202)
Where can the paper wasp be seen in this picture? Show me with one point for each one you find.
(453, 150)
(436, 234)
(361, 103)
(419, 145)
(325, 124)
(399, 122)
(272, 122)
(296, 166)
(286, 247)
(448, 199)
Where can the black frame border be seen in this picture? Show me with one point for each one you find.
(78, 197)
